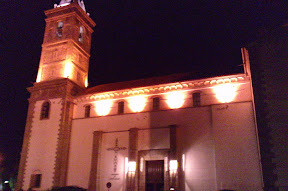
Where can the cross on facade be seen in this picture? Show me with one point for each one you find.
(116, 149)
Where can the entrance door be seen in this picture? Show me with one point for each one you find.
(155, 175)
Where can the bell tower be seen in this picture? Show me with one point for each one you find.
(62, 74)
(66, 44)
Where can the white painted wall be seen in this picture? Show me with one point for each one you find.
(218, 140)
(237, 162)
(42, 145)
(208, 136)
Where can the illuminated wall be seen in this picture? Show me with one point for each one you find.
(43, 144)
(217, 139)
(106, 104)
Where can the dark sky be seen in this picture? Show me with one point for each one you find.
(133, 39)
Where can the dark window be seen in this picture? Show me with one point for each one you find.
(196, 99)
(81, 34)
(45, 110)
(121, 107)
(156, 103)
(35, 181)
(59, 29)
(87, 111)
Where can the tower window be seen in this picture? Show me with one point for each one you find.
(59, 28)
(45, 110)
(121, 107)
(196, 99)
(35, 181)
(87, 111)
(81, 34)
(156, 103)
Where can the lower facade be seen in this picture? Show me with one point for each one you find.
(203, 148)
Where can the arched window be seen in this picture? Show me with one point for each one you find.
(81, 34)
(45, 110)
(121, 107)
(87, 111)
(35, 180)
(59, 28)
(156, 104)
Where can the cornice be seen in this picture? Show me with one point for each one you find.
(164, 88)
(59, 88)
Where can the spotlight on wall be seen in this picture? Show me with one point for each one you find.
(131, 166)
(103, 107)
(86, 82)
(175, 99)
(183, 162)
(68, 69)
(137, 103)
(173, 165)
(126, 165)
(225, 93)
(141, 164)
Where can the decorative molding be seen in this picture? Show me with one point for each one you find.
(164, 88)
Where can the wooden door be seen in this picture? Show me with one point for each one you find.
(155, 175)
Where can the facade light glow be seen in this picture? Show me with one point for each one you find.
(141, 164)
(175, 99)
(39, 76)
(183, 162)
(68, 69)
(126, 165)
(86, 82)
(173, 165)
(132, 166)
(103, 107)
(225, 93)
(137, 103)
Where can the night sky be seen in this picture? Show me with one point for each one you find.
(133, 39)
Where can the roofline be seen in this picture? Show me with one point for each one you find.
(164, 87)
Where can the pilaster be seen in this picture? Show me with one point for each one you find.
(96, 154)
(173, 157)
(132, 155)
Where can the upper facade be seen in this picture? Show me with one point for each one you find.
(153, 94)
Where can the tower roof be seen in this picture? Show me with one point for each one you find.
(68, 2)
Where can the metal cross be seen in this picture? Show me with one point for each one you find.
(116, 149)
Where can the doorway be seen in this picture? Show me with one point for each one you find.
(154, 175)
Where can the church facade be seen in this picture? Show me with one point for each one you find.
(156, 134)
